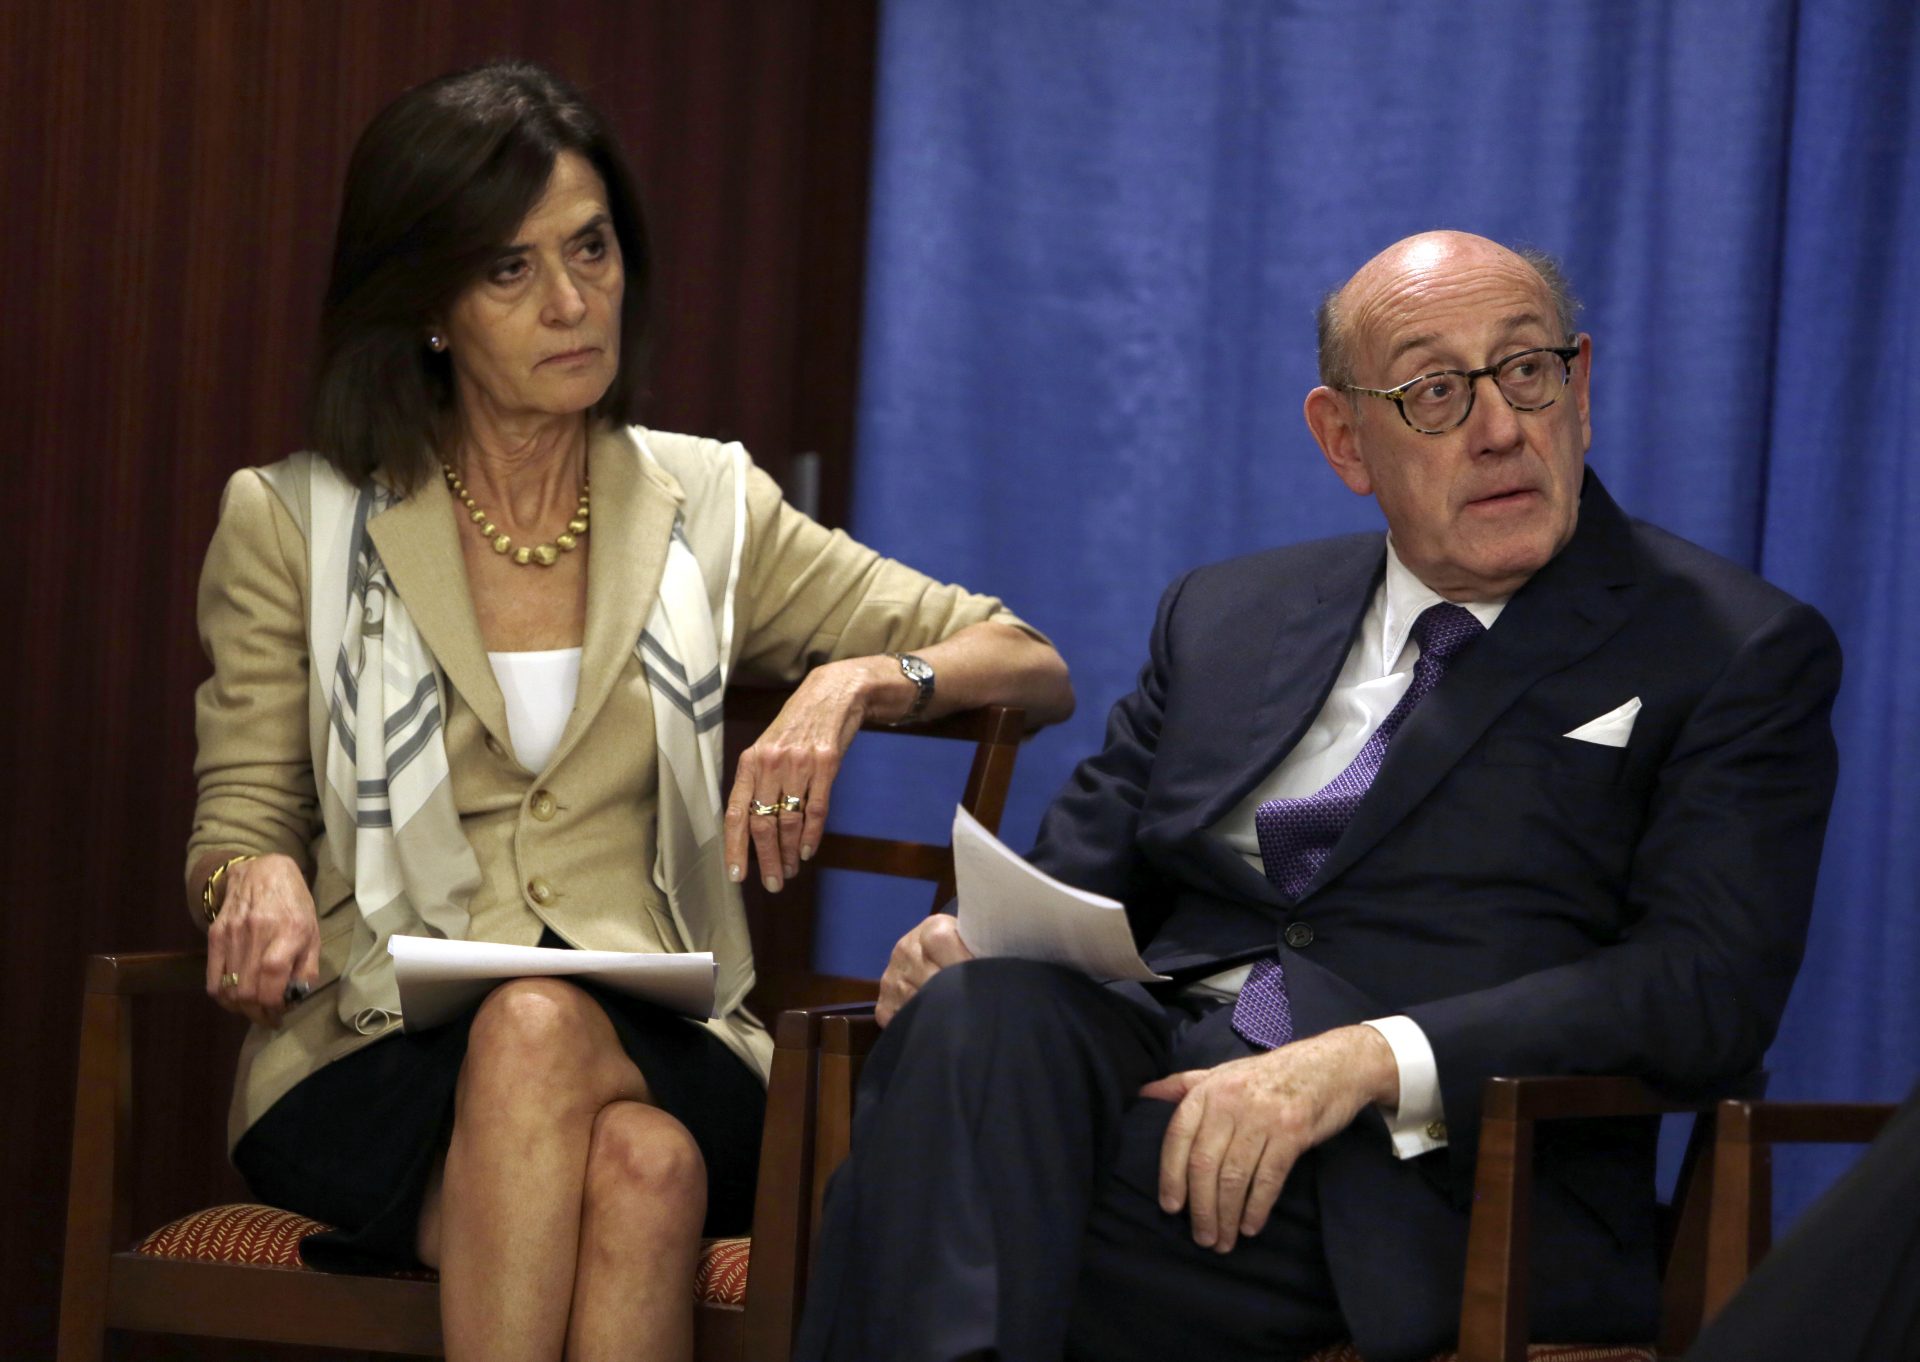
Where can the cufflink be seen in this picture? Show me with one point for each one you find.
(1436, 1130)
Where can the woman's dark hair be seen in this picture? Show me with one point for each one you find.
(438, 183)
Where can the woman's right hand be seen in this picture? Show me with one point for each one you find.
(267, 934)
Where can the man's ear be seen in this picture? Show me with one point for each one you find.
(1583, 389)
(1334, 423)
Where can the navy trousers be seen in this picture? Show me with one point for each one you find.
(1001, 1196)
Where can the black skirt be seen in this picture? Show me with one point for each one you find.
(354, 1143)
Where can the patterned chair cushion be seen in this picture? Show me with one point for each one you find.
(1537, 1352)
(261, 1236)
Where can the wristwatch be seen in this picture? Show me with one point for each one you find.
(916, 670)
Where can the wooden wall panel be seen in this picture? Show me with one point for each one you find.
(169, 174)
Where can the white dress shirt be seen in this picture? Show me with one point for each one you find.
(1378, 670)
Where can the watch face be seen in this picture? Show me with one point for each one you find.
(916, 670)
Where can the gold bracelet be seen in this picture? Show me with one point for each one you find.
(210, 892)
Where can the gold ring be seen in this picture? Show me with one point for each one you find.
(754, 806)
(792, 803)
(229, 980)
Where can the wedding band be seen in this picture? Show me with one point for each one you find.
(229, 980)
(792, 803)
(756, 807)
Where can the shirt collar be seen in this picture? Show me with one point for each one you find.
(1406, 596)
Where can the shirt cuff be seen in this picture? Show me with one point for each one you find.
(1419, 1125)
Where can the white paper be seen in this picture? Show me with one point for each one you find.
(439, 978)
(1009, 908)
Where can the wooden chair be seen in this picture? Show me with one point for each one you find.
(1740, 1215)
(234, 1272)
(1493, 1316)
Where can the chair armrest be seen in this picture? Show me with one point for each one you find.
(1579, 1098)
(988, 723)
(129, 973)
(1748, 1122)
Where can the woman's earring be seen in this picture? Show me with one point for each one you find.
(436, 342)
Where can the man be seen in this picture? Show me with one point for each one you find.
(1526, 787)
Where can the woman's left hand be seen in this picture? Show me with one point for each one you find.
(791, 767)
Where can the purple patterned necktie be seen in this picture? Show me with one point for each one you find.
(1297, 834)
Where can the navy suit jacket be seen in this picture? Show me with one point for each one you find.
(1538, 904)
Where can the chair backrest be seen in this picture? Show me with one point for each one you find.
(783, 924)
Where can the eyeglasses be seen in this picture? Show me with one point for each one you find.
(1435, 403)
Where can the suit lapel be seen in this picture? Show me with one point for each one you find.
(1565, 611)
(634, 505)
(418, 544)
(1317, 620)
(1316, 617)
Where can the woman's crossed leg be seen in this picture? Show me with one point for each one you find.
(565, 1219)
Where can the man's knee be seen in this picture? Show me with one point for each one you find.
(1000, 989)
(1013, 1021)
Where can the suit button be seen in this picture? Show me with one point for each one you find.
(539, 890)
(543, 806)
(1298, 935)
(493, 746)
(1436, 1130)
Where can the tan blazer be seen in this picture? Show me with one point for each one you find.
(571, 846)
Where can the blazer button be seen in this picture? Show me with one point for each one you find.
(493, 746)
(543, 806)
(1298, 935)
(539, 890)
(1436, 1130)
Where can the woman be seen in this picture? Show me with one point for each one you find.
(467, 664)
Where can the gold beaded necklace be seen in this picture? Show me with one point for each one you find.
(546, 555)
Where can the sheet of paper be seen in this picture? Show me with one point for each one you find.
(438, 978)
(1009, 908)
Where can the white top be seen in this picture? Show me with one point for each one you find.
(1378, 670)
(539, 689)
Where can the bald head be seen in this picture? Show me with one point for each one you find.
(1475, 508)
(1414, 262)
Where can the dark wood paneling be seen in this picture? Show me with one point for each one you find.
(168, 180)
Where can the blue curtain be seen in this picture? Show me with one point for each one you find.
(1099, 233)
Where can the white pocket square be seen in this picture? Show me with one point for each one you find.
(1611, 729)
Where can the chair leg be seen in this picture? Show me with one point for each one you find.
(1493, 1313)
(1741, 1211)
(839, 1072)
(844, 1043)
(1684, 1279)
(97, 1194)
(782, 1229)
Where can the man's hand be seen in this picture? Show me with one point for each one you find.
(1240, 1127)
(917, 957)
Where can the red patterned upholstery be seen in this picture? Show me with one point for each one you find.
(720, 1277)
(261, 1236)
(1538, 1352)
